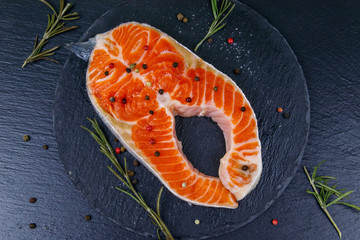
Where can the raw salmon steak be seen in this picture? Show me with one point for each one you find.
(139, 79)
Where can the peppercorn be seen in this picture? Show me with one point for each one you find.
(122, 149)
(185, 20)
(230, 40)
(237, 71)
(136, 70)
(106, 73)
(147, 97)
(117, 150)
(146, 47)
(111, 65)
(45, 147)
(132, 66)
(134, 181)
(180, 16)
(151, 112)
(128, 70)
(183, 184)
(149, 128)
(152, 141)
(136, 163)
(116, 140)
(215, 89)
(157, 154)
(279, 109)
(286, 115)
(32, 225)
(144, 66)
(148, 84)
(210, 40)
(123, 100)
(161, 91)
(197, 221)
(245, 168)
(188, 99)
(196, 78)
(275, 222)
(175, 64)
(243, 109)
(112, 99)
(88, 217)
(26, 138)
(131, 173)
(32, 200)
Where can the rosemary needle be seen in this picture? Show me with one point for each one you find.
(55, 26)
(219, 17)
(122, 175)
(322, 192)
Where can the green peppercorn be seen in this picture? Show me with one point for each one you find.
(215, 89)
(147, 97)
(180, 16)
(136, 70)
(26, 138)
(132, 66)
(131, 173)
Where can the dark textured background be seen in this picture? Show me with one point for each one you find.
(324, 36)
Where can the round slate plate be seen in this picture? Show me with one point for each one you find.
(271, 77)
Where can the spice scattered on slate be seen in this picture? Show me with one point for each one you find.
(32, 200)
(185, 20)
(230, 40)
(237, 71)
(245, 168)
(122, 149)
(116, 140)
(279, 109)
(286, 115)
(131, 173)
(88, 217)
(275, 222)
(134, 181)
(180, 16)
(32, 225)
(117, 150)
(112, 99)
(210, 40)
(197, 221)
(128, 70)
(26, 138)
(243, 109)
(136, 163)
(157, 154)
(45, 147)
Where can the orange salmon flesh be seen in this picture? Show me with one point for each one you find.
(142, 117)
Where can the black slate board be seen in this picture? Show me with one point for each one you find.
(271, 77)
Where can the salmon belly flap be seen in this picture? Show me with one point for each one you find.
(139, 79)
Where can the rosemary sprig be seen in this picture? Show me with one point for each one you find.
(55, 26)
(219, 17)
(122, 175)
(323, 191)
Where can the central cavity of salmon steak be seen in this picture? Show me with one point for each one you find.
(139, 79)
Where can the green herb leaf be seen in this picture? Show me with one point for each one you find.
(55, 26)
(122, 174)
(322, 192)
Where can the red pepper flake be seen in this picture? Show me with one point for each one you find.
(111, 65)
(152, 141)
(149, 128)
(117, 150)
(146, 47)
(275, 222)
(280, 109)
(230, 40)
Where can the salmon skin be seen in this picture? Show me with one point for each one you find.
(139, 79)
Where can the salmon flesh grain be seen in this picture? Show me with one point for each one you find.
(139, 79)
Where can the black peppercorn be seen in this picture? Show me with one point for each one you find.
(286, 115)
(157, 154)
(32, 225)
(26, 138)
(136, 163)
(134, 181)
(112, 99)
(151, 112)
(128, 70)
(45, 147)
(106, 73)
(245, 168)
(144, 66)
(147, 97)
(243, 109)
(237, 71)
(175, 64)
(161, 91)
(88, 217)
(123, 100)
